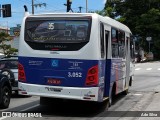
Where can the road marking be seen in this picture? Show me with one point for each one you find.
(29, 108)
(137, 94)
(3, 118)
(137, 68)
(149, 69)
(146, 69)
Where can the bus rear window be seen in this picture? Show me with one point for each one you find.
(57, 31)
(60, 34)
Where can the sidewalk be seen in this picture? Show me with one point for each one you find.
(154, 106)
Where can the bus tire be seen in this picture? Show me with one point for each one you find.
(125, 92)
(130, 81)
(105, 104)
(112, 95)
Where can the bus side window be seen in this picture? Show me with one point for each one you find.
(121, 42)
(106, 39)
(114, 39)
(132, 47)
(102, 40)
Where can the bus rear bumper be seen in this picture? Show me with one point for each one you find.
(76, 93)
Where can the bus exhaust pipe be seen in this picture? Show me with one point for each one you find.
(26, 11)
(25, 8)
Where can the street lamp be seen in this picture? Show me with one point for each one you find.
(149, 40)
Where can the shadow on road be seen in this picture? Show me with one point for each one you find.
(118, 97)
(73, 108)
(70, 108)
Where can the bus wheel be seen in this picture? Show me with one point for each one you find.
(105, 104)
(130, 81)
(112, 95)
(110, 100)
(125, 92)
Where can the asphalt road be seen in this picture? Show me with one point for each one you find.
(143, 96)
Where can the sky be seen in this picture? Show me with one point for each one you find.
(51, 6)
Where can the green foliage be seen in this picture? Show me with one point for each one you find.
(6, 48)
(141, 16)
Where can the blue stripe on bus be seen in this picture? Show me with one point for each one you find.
(107, 77)
(71, 72)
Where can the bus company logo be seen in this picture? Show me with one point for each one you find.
(54, 63)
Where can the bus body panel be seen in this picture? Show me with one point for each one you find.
(76, 93)
(68, 72)
(64, 73)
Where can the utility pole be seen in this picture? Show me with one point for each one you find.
(69, 2)
(80, 9)
(32, 6)
(86, 6)
(37, 5)
(68, 5)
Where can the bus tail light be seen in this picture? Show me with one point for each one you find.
(92, 76)
(21, 73)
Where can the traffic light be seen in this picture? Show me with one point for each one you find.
(69, 2)
(6, 10)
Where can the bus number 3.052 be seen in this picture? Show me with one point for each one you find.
(74, 74)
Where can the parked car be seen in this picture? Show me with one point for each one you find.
(9, 67)
(5, 91)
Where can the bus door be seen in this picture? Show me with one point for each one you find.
(127, 62)
(104, 67)
(108, 64)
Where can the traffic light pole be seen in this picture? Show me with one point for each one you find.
(6, 10)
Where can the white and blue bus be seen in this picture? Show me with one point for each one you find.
(78, 56)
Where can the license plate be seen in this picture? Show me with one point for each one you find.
(54, 81)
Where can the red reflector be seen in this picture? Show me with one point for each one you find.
(92, 76)
(24, 92)
(92, 95)
(19, 89)
(86, 98)
(21, 73)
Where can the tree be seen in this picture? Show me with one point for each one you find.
(6, 48)
(141, 16)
